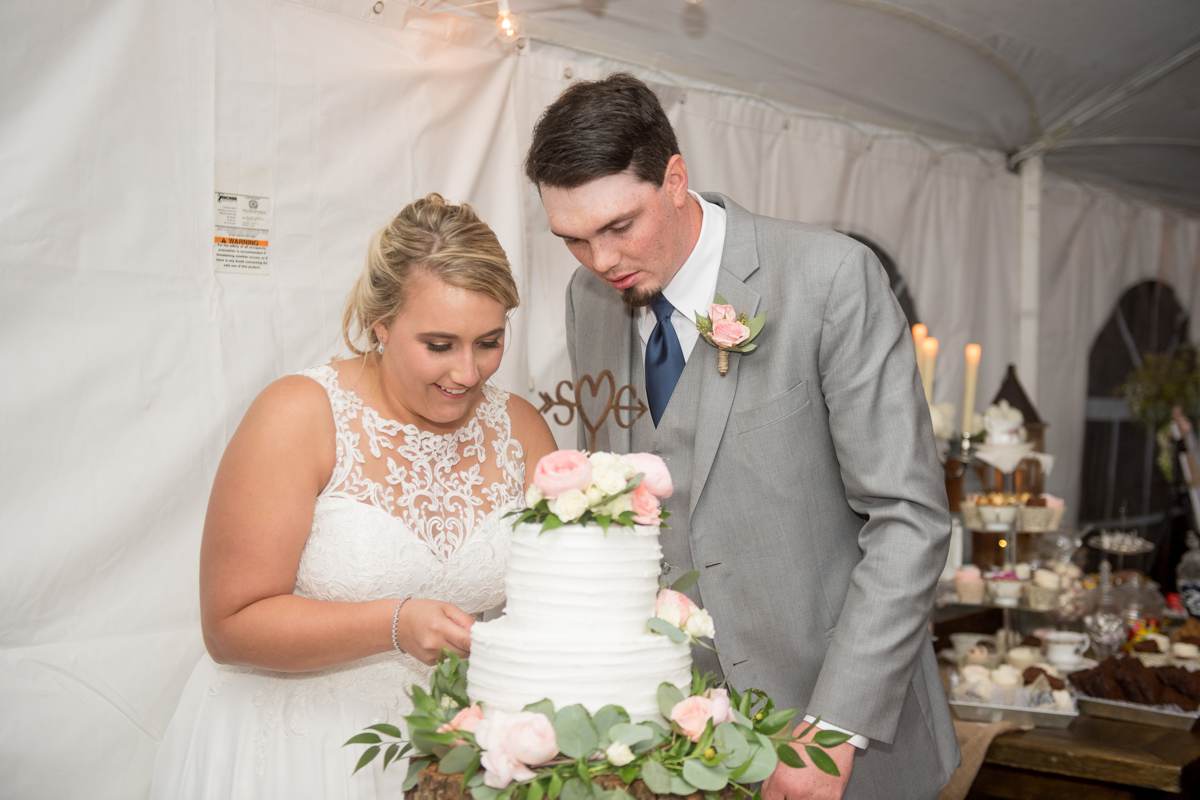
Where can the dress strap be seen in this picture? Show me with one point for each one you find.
(345, 407)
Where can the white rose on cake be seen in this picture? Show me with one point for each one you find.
(609, 478)
(699, 625)
(617, 506)
(569, 505)
(533, 496)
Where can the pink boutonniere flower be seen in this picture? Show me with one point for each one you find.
(728, 331)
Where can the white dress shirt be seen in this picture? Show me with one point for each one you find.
(695, 283)
(692, 290)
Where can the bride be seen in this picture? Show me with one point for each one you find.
(355, 524)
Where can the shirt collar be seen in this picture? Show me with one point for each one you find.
(694, 285)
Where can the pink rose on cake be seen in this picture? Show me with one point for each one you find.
(693, 713)
(674, 607)
(562, 471)
(655, 475)
(646, 509)
(511, 743)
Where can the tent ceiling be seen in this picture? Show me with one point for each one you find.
(1001, 75)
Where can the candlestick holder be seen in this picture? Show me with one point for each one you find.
(965, 448)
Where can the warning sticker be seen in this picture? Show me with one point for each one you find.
(241, 234)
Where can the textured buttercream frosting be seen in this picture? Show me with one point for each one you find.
(574, 627)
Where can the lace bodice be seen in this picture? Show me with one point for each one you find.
(410, 512)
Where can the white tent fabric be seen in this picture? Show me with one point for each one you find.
(129, 360)
(1107, 88)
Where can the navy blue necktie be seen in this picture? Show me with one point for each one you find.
(664, 359)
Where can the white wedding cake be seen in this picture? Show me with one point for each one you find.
(574, 628)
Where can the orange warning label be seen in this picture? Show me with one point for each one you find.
(235, 240)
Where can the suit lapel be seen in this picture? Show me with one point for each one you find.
(739, 261)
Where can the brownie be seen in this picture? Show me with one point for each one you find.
(1031, 674)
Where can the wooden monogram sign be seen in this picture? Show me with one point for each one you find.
(594, 399)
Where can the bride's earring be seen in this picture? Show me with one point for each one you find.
(380, 348)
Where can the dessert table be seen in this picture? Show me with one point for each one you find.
(1094, 759)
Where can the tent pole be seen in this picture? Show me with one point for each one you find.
(1029, 285)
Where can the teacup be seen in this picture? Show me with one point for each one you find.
(1065, 649)
(1022, 657)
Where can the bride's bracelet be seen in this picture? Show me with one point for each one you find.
(396, 624)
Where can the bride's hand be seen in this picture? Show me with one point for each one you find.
(427, 627)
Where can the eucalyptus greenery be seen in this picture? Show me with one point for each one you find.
(734, 755)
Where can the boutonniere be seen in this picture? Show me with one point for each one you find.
(728, 331)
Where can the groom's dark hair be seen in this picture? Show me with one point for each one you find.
(600, 128)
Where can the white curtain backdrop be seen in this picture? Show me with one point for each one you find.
(129, 360)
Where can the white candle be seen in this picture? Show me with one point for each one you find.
(929, 351)
(973, 352)
(919, 333)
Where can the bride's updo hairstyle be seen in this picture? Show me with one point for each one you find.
(444, 240)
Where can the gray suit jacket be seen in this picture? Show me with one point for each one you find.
(816, 492)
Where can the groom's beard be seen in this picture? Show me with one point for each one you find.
(636, 297)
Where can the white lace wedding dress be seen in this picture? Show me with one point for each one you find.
(406, 512)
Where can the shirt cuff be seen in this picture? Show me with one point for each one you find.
(857, 740)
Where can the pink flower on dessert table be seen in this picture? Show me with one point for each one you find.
(719, 312)
(729, 333)
(655, 475)
(646, 509)
(674, 607)
(562, 471)
(466, 719)
(513, 742)
(691, 714)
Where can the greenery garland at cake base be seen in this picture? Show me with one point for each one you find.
(740, 744)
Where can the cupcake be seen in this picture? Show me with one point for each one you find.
(1006, 680)
(968, 584)
(1042, 593)
(1005, 588)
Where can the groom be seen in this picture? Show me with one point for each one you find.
(808, 494)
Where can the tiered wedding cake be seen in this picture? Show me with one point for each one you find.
(574, 628)
(569, 694)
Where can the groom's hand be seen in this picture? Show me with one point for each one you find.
(789, 783)
(427, 627)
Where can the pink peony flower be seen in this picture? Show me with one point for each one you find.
(655, 475)
(466, 719)
(691, 714)
(729, 333)
(674, 607)
(646, 509)
(562, 471)
(718, 312)
(499, 770)
(512, 742)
